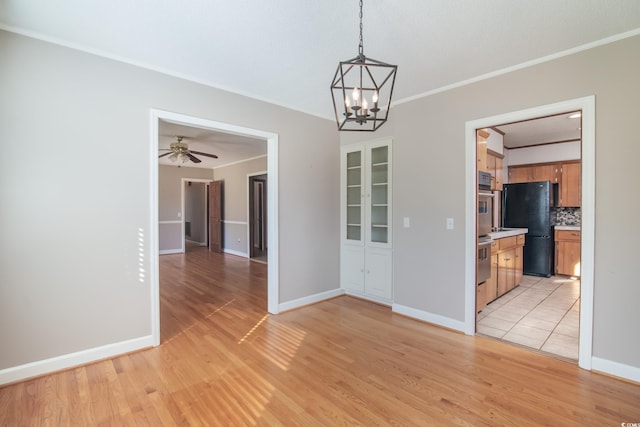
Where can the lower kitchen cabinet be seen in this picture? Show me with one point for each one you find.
(567, 252)
(506, 270)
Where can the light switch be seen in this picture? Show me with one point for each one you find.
(179, 214)
(406, 222)
(449, 223)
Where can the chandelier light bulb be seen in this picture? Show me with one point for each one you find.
(374, 98)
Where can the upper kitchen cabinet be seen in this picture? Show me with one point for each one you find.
(365, 199)
(481, 146)
(566, 174)
(570, 184)
(490, 157)
(534, 173)
(494, 165)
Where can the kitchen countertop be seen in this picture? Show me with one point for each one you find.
(508, 232)
(568, 227)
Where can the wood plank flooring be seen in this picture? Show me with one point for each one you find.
(224, 361)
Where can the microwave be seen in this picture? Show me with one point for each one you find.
(484, 180)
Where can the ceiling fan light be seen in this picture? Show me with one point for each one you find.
(173, 157)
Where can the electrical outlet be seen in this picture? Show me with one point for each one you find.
(406, 222)
(449, 223)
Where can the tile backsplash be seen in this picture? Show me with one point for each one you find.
(568, 216)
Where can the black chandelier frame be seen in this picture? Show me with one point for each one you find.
(361, 91)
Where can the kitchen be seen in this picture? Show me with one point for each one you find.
(528, 255)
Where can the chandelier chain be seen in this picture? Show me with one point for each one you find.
(361, 45)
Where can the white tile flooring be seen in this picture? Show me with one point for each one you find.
(541, 313)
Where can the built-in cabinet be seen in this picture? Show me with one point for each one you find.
(566, 174)
(366, 251)
(567, 252)
(506, 269)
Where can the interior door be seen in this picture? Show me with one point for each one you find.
(215, 216)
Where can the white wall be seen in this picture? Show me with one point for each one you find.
(542, 154)
(170, 215)
(71, 285)
(429, 186)
(235, 187)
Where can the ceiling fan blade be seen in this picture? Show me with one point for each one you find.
(193, 158)
(204, 154)
(165, 154)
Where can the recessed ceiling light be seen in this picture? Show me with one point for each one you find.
(576, 115)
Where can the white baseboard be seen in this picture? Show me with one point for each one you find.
(621, 370)
(170, 251)
(371, 298)
(41, 367)
(311, 299)
(237, 253)
(195, 242)
(425, 316)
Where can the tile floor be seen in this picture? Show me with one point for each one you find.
(541, 313)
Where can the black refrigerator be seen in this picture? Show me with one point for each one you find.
(532, 205)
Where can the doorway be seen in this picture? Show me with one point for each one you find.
(540, 162)
(196, 202)
(587, 106)
(272, 205)
(258, 217)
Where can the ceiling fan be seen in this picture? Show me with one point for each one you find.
(179, 152)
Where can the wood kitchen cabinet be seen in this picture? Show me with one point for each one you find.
(494, 167)
(570, 184)
(499, 174)
(566, 174)
(534, 173)
(567, 252)
(481, 146)
(506, 270)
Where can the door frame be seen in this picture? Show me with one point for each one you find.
(249, 175)
(273, 284)
(183, 204)
(587, 105)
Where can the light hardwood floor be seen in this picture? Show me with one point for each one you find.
(224, 361)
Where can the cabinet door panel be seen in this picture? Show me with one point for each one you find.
(519, 174)
(568, 258)
(519, 254)
(545, 173)
(352, 267)
(378, 272)
(570, 188)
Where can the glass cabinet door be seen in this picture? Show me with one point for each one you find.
(354, 195)
(379, 195)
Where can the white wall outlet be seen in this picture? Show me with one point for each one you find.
(179, 214)
(449, 223)
(406, 222)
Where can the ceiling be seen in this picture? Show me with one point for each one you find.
(228, 147)
(286, 51)
(545, 130)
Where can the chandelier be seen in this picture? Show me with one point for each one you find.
(361, 90)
